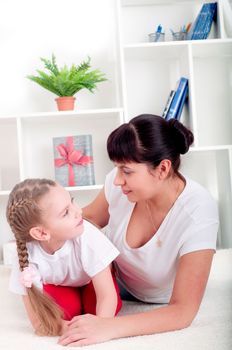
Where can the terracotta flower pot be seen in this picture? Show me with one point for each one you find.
(65, 103)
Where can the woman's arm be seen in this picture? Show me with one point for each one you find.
(97, 211)
(191, 279)
(105, 293)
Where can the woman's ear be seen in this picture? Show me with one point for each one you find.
(164, 168)
(38, 233)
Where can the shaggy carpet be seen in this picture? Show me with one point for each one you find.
(211, 329)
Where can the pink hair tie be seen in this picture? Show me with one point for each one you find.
(27, 276)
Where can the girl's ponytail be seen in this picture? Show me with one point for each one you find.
(22, 214)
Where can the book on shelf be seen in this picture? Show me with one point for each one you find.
(203, 23)
(212, 13)
(182, 102)
(178, 100)
(73, 160)
(168, 103)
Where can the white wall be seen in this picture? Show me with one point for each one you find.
(72, 30)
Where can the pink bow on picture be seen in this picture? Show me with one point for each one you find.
(70, 156)
(27, 276)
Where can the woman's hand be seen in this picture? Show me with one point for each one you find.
(64, 326)
(87, 329)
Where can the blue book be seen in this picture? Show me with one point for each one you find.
(209, 20)
(168, 103)
(176, 102)
(197, 30)
(202, 25)
(183, 99)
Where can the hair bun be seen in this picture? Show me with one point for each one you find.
(182, 136)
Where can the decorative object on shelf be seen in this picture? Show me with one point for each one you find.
(73, 159)
(178, 100)
(157, 36)
(202, 25)
(181, 34)
(65, 82)
(177, 36)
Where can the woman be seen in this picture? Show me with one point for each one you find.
(163, 224)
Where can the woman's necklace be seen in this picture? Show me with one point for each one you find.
(158, 242)
(155, 226)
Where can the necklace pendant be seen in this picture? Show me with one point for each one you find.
(159, 243)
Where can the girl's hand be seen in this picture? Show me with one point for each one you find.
(87, 329)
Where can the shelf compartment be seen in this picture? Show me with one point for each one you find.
(37, 146)
(151, 72)
(212, 170)
(9, 159)
(212, 71)
(139, 18)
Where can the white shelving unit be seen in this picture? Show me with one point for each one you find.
(151, 70)
(30, 149)
(142, 77)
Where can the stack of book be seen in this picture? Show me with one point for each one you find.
(176, 100)
(202, 25)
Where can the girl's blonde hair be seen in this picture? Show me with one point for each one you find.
(23, 213)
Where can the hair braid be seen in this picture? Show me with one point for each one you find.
(23, 213)
(22, 254)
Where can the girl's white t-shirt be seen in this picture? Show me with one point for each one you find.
(148, 272)
(74, 264)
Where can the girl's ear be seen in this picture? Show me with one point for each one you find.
(39, 234)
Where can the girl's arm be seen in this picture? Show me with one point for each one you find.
(106, 295)
(97, 211)
(191, 279)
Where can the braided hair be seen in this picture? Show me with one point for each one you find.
(23, 213)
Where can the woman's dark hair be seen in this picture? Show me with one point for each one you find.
(149, 139)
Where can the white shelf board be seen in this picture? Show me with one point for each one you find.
(155, 2)
(210, 148)
(212, 48)
(61, 114)
(84, 188)
(70, 189)
(155, 51)
(4, 193)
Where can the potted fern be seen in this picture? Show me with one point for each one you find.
(66, 81)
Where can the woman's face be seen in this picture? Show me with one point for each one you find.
(137, 180)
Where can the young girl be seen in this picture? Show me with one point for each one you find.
(63, 266)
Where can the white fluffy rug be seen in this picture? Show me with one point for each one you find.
(211, 329)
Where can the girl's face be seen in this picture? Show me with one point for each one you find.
(137, 180)
(62, 218)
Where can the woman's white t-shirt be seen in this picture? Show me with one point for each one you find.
(74, 264)
(148, 272)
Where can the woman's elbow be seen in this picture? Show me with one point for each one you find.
(185, 316)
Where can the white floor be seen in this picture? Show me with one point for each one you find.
(212, 328)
